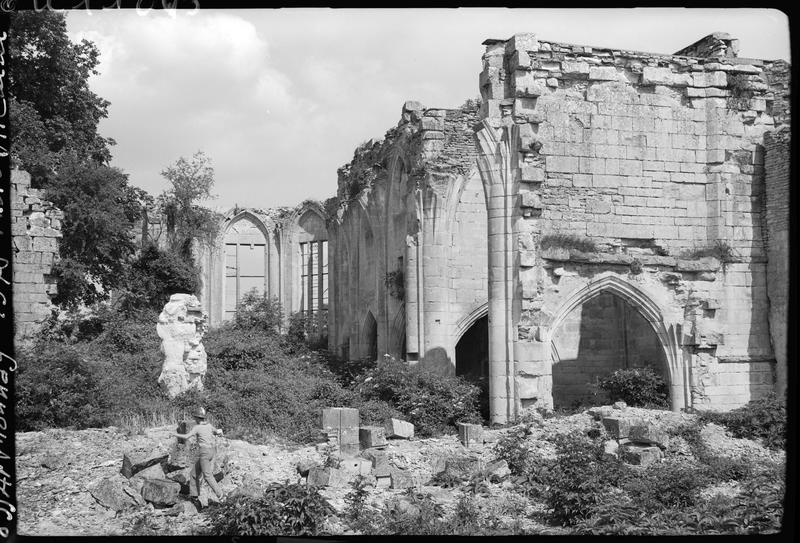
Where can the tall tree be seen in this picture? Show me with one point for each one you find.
(100, 211)
(53, 112)
(188, 221)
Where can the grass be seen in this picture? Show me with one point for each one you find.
(720, 250)
(567, 241)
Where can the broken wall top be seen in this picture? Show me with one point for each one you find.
(426, 140)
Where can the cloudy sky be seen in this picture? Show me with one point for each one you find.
(279, 99)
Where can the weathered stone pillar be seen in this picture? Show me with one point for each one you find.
(496, 162)
(776, 163)
(413, 285)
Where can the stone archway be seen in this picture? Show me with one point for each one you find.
(666, 333)
(472, 352)
(369, 337)
(601, 335)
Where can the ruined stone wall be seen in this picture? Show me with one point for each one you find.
(655, 159)
(35, 231)
(777, 147)
(412, 205)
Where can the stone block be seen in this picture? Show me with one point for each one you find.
(611, 448)
(340, 417)
(135, 461)
(575, 68)
(617, 426)
(161, 491)
(378, 458)
(109, 493)
(156, 471)
(649, 434)
(322, 476)
(372, 436)
(383, 481)
(497, 470)
(401, 479)
(470, 434)
(531, 174)
(396, 428)
(640, 455)
(604, 73)
(356, 466)
(598, 413)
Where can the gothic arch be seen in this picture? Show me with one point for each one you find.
(667, 333)
(469, 319)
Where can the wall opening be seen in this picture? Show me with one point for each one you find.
(370, 337)
(472, 359)
(596, 338)
(245, 263)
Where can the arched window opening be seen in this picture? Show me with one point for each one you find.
(245, 263)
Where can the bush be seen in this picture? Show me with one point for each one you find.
(433, 403)
(667, 484)
(762, 419)
(284, 509)
(511, 448)
(579, 480)
(638, 387)
(258, 312)
(56, 387)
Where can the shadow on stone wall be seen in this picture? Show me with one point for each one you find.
(610, 335)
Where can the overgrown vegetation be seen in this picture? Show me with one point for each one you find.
(761, 419)
(567, 241)
(592, 493)
(433, 403)
(284, 509)
(637, 387)
(720, 249)
(395, 285)
(102, 368)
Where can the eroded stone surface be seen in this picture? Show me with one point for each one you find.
(181, 326)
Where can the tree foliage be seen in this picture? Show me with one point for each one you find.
(187, 221)
(100, 210)
(53, 111)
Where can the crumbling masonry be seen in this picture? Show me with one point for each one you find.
(597, 209)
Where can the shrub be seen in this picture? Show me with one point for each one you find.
(579, 480)
(423, 516)
(258, 312)
(357, 514)
(511, 447)
(432, 402)
(283, 509)
(764, 419)
(672, 483)
(55, 387)
(567, 241)
(639, 387)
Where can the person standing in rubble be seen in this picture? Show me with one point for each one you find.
(204, 465)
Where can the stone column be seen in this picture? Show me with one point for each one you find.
(495, 162)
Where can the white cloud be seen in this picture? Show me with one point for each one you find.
(280, 98)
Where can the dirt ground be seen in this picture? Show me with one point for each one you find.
(57, 469)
